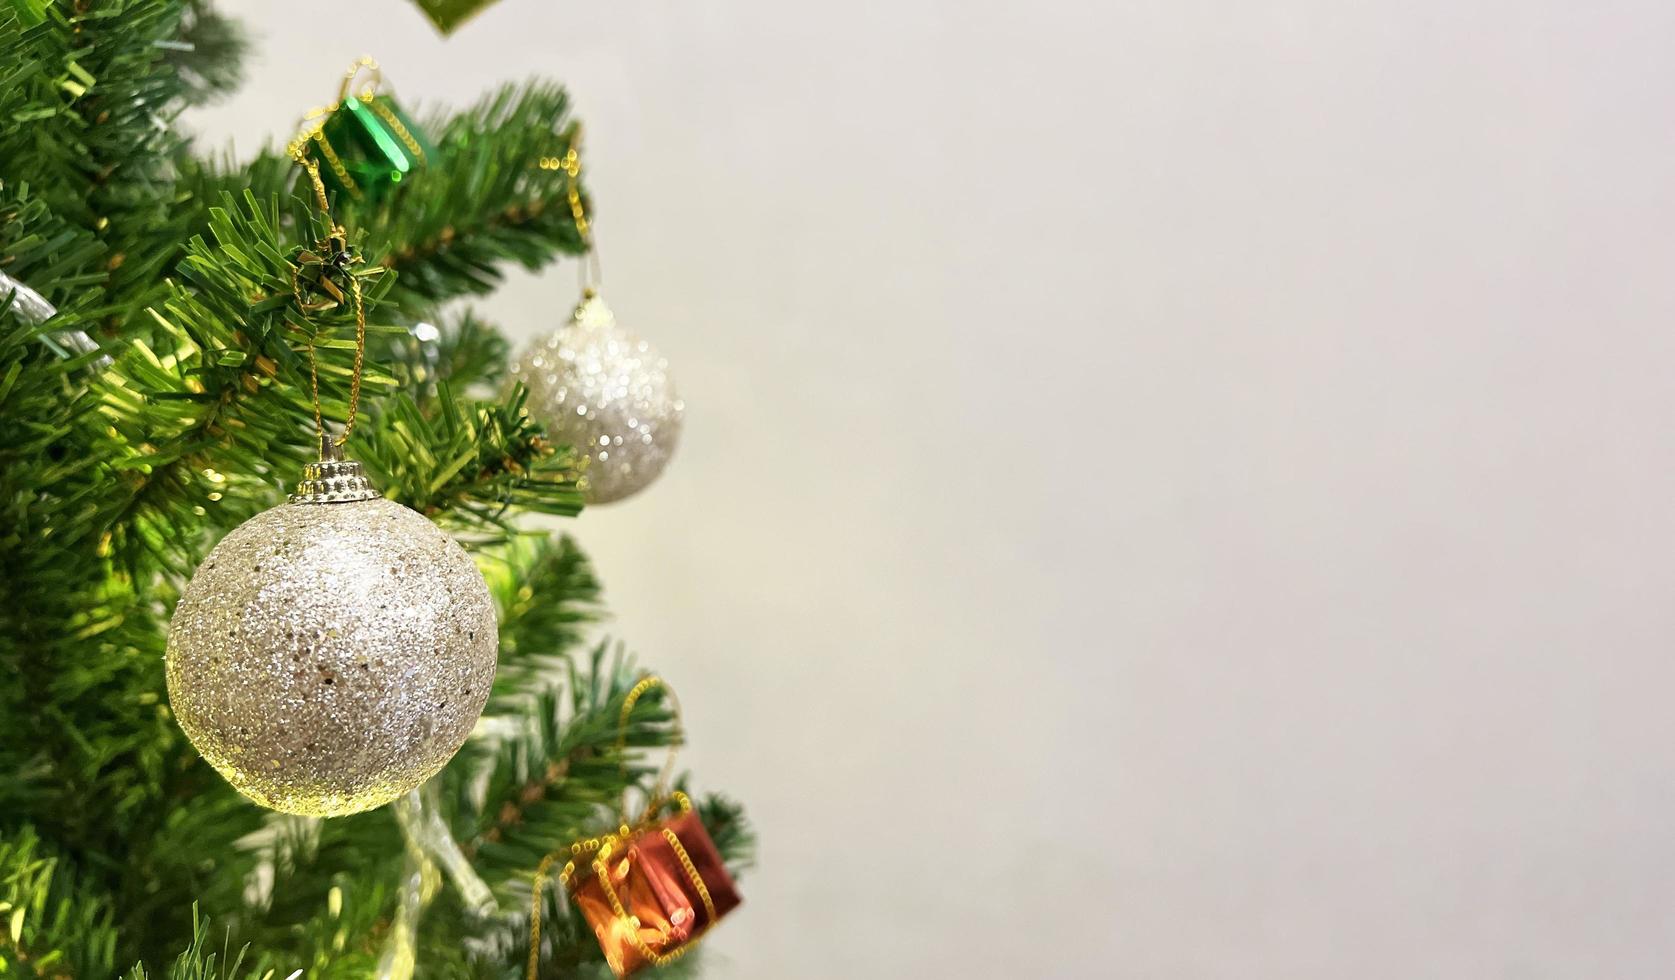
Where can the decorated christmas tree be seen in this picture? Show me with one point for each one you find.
(294, 686)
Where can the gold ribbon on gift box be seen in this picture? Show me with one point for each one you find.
(592, 853)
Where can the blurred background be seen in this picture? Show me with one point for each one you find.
(1169, 490)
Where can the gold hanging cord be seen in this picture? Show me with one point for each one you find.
(589, 271)
(332, 257)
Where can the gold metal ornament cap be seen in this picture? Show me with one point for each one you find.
(333, 479)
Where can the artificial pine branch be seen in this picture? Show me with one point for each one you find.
(205, 959)
(208, 55)
(219, 393)
(97, 99)
(464, 351)
(470, 466)
(51, 926)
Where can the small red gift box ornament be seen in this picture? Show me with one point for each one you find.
(649, 891)
(650, 896)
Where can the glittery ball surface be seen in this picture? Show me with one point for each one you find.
(600, 388)
(327, 658)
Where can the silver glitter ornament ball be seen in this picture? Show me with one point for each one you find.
(334, 652)
(600, 388)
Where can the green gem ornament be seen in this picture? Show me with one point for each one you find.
(449, 14)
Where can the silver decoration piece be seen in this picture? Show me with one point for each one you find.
(596, 386)
(33, 309)
(420, 882)
(430, 849)
(332, 653)
(427, 339)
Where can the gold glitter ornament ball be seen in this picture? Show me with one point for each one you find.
(334, 652)
(596, 386)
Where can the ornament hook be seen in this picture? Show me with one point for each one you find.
(333, 479)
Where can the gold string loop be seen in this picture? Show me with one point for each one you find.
(659, 791)
(367, 64)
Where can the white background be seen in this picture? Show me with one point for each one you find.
(1171, 489)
